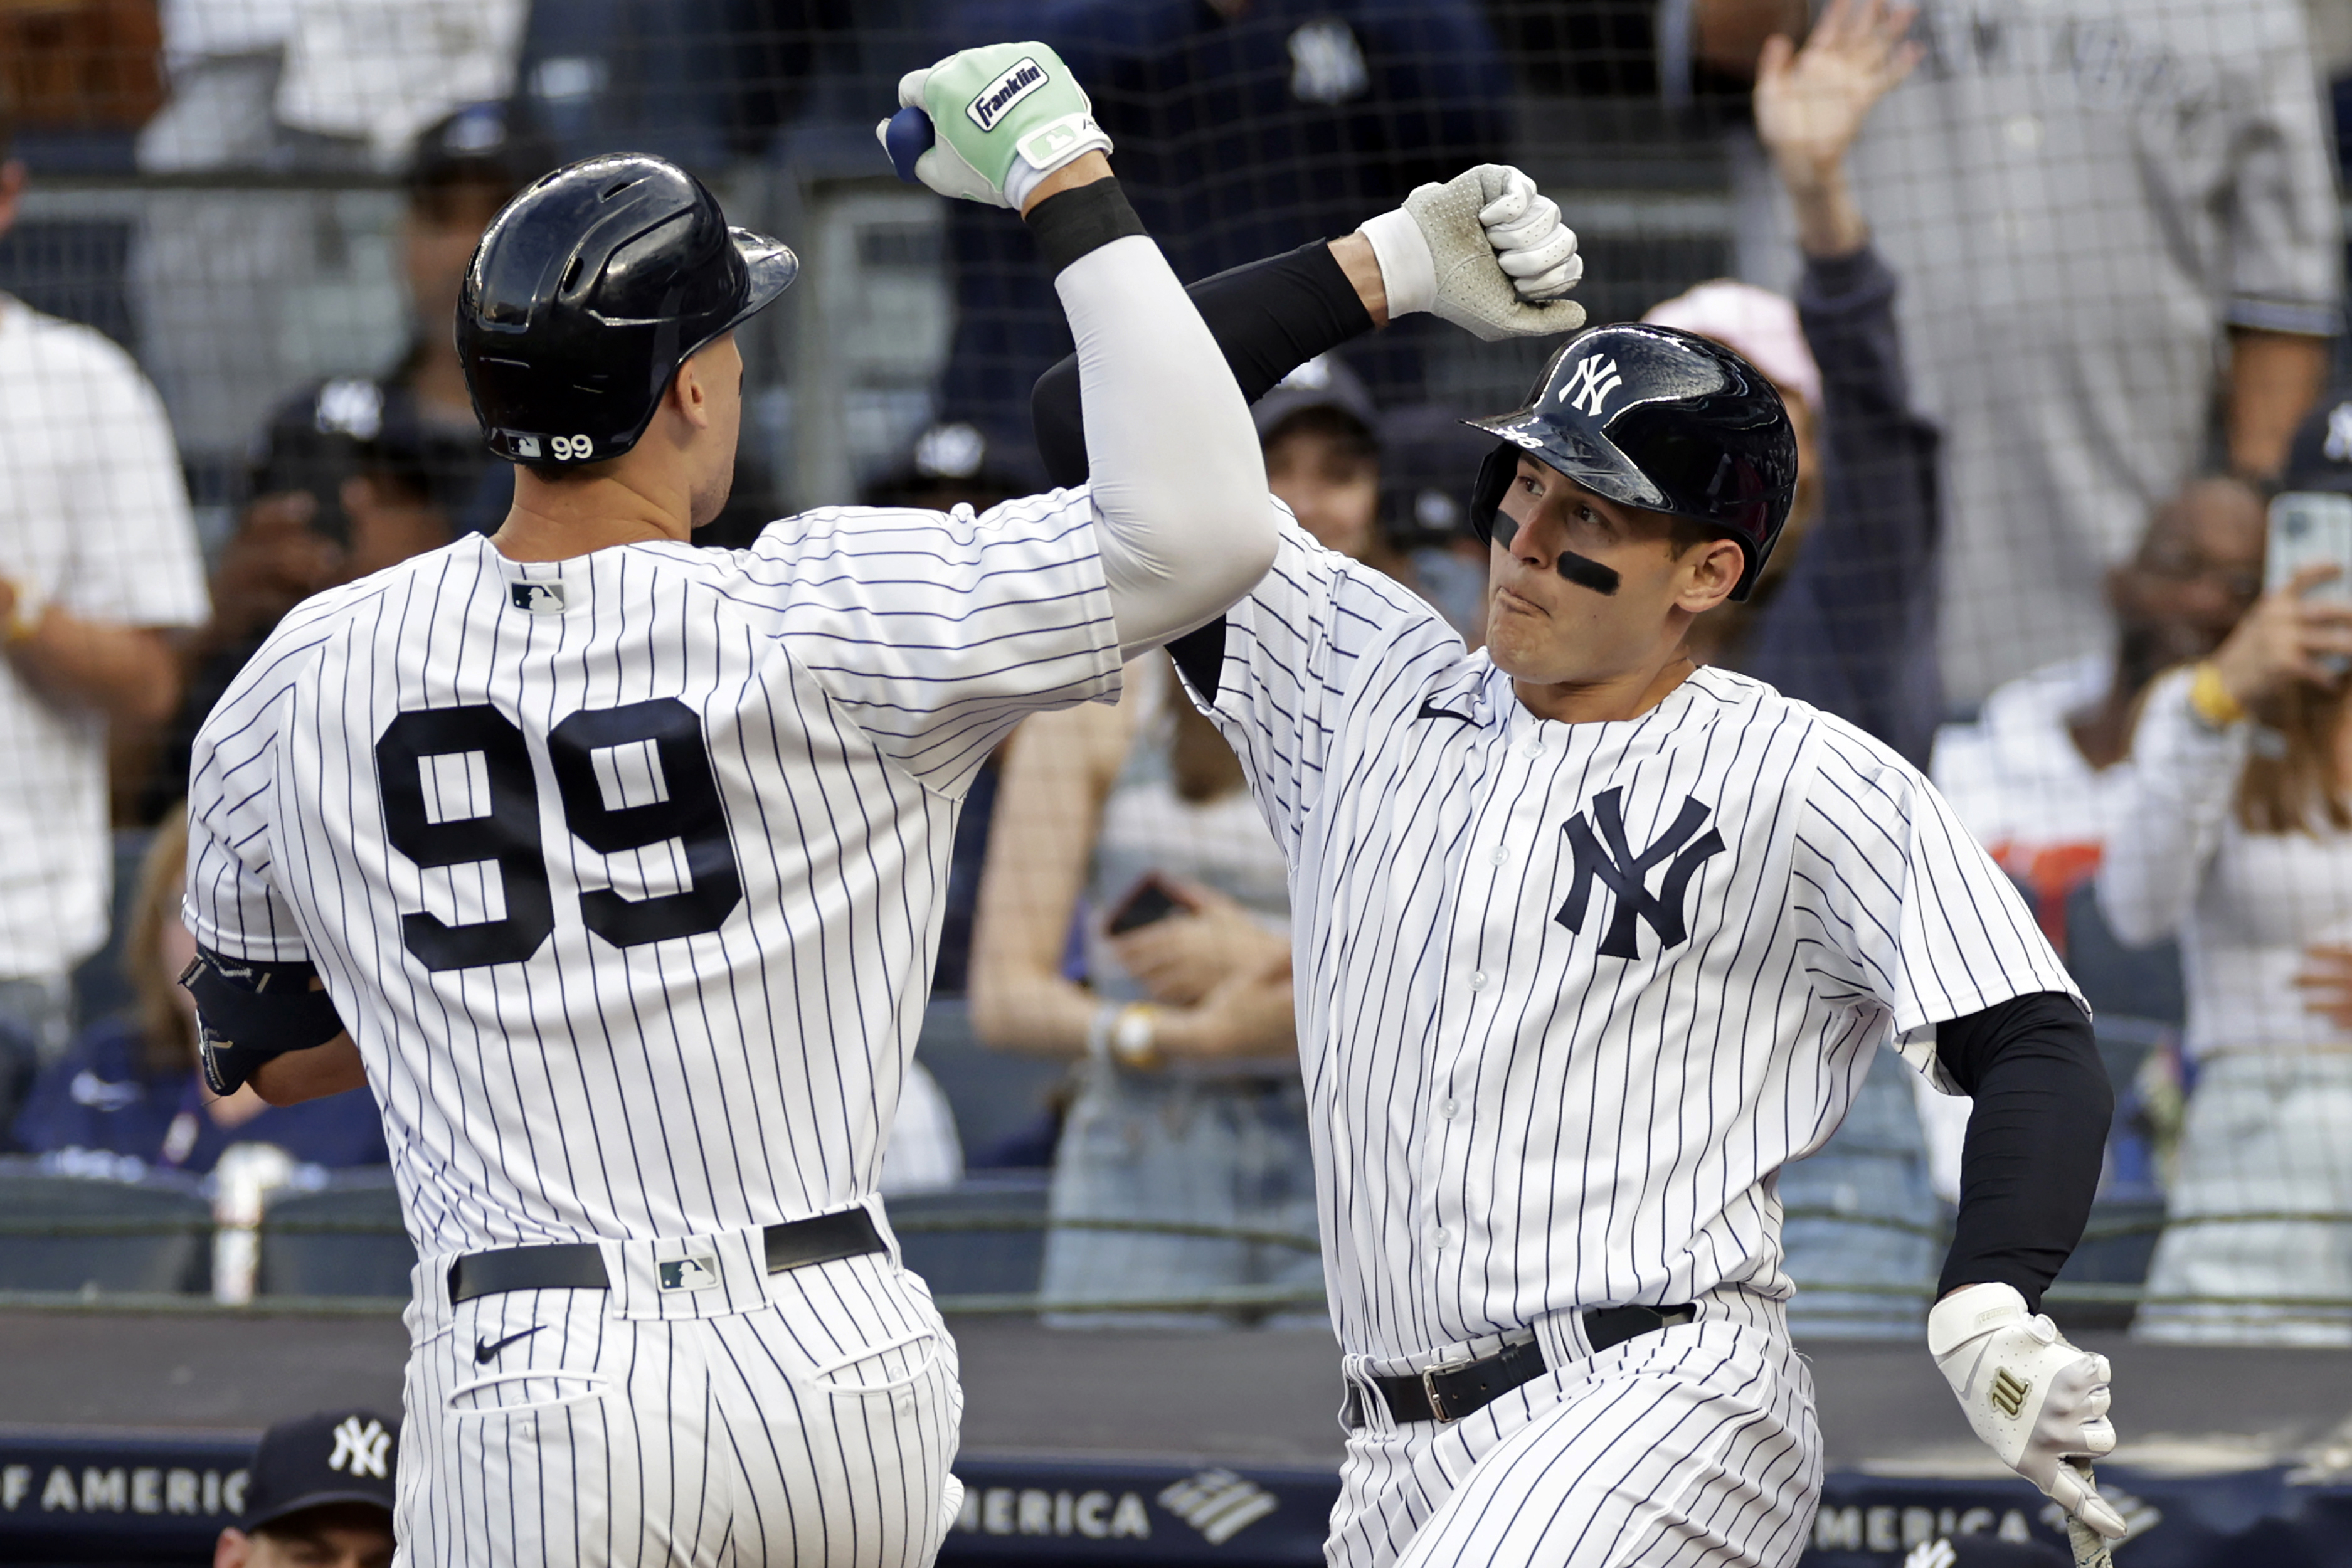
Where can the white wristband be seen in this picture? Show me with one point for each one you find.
(1408, 270)
(1099, 1027)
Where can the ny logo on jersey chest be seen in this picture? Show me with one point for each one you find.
(1604, 856)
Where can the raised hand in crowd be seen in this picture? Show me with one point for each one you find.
(1810, 103)
(2284, 640)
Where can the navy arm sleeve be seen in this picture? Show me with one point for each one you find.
(1269, 318)
(1851, 629)
(2036, 1140)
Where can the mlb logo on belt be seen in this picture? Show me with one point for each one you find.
(696, 1272)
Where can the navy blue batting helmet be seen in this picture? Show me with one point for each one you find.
(589, 291)
(1659, 419)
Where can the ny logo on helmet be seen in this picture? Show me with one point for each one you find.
(1608, 857)
(1594, 378)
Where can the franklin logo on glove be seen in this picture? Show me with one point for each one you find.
(1025, 77)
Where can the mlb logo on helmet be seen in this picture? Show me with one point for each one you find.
(1024, 76)
(526, 447)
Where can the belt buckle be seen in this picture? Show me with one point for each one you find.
(1437, 1411)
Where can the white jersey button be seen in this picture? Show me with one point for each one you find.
(1500, 856)
(1449, 1108)
(1478, 980)
(1439, 1236)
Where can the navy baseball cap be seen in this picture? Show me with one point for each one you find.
(2321, 456)
(336, 1457)
(1321, 383)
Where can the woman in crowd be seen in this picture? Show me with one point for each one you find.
(129, 1085)
(1189, 1110)
(2237, 836)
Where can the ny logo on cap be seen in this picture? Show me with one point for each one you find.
(1608, 857)
(2337, 447)
(361, 1450)
(1594, 378)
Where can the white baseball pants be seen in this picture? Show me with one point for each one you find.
(806, 1417)
(1693, 1447)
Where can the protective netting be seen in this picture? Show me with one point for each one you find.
(2044, 412)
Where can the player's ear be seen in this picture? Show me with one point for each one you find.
(1710, 572)
(689, 393)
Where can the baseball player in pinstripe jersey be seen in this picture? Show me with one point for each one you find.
(1591, 940)
(612, 864)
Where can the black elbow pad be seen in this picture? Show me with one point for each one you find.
(248, 1012)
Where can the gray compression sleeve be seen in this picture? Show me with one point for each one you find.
(1186, 526)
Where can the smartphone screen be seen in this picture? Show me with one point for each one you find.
(1149, 901)
(2309, 526)
(2306, 527)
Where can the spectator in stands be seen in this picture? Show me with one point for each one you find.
(2091, 203)
(2040, 775)
(98, 566)
(1245, 128)
(320, 1494)
(2235, 832)
(129, 1085)
(1845, 615)
(355, 474)
(1135, 819)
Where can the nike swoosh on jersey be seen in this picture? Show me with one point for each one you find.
(1432, 711)
(483, 1353)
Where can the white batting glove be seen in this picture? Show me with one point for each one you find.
(2038, 1402)
(987, 124)
(1486, 250)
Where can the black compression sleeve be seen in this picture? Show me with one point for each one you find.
(1069, 223)
(1269, 317)
(2036, 1140)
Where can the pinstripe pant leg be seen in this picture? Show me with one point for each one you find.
(842, 1459)
(581, 1443)
(1693, 1448)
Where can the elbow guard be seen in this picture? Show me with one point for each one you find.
(248, 1012)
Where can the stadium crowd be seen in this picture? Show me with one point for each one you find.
(2054, 321)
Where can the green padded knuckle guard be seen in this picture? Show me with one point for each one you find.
(994, 103)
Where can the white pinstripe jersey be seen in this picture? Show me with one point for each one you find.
(1570, 995)
(625, 870)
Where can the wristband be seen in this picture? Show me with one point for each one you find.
(1408, 270)
(2210, 698)
(1098, 1030)
(1073, 223)
(26, 609)
(1134, 1037)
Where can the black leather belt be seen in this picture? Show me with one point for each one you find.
(580, 1265)
(1444, 1393)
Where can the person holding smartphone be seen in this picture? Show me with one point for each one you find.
(1189, 1107)
(2236, 834)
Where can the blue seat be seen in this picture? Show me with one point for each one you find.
(66, 1232)
(344, 1239)
(995, 1095)
(985, 1237)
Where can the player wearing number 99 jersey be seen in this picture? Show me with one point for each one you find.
(620, 860)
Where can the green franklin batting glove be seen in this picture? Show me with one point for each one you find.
(1002, 117)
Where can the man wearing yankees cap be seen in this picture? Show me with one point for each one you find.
(318, 1495)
